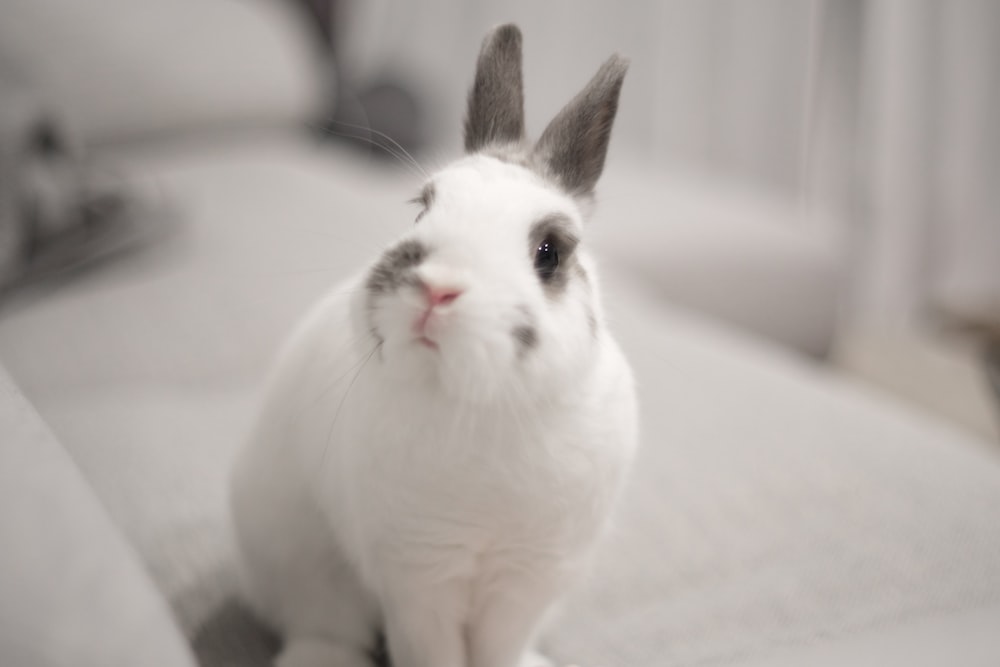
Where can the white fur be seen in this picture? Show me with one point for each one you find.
(447, 495)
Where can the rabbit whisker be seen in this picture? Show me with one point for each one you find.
(393, 147)
(340, 405)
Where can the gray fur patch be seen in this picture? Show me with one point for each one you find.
(496, 101)
(426, 199)
(572, 148)
(395, 267)
(557, 225)
(526, 336)
(559, 230)
(427, 195)
(525, 332)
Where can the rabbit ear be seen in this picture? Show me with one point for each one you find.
(496, 101)
(573, 146)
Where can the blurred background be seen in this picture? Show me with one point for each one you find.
(798, 226)
(823, 174)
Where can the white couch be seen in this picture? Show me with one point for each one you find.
(778, 514)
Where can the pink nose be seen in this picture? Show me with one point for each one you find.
(437, 295)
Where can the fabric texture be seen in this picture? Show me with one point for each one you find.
(72, 592)
(776, 505)
(773, 507)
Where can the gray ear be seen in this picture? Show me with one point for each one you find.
(496, 101)
(573, 146)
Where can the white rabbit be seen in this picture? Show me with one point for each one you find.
(445, 435)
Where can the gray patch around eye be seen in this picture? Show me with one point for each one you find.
(574, 145)
(395, 267)
(556, 285)
(560, 228)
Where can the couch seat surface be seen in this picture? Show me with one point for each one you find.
(775, 507)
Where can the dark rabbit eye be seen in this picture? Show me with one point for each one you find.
(546, 259)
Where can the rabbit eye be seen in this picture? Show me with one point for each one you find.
(546, 259)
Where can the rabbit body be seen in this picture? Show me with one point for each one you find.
(445, 435)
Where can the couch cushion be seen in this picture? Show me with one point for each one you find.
(774, 505)
(116, 69)
(740, 255)
(72, 592)
(777, 506)
(149, 370)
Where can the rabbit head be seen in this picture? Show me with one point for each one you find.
(491, 294)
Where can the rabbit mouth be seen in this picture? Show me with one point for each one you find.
(432, 318)
(428, 343)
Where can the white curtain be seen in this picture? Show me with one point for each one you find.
(924, 205)
(884, 111)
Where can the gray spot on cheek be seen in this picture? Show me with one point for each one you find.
(526, 336)
(525, 333)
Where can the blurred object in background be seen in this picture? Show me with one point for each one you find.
(871, 119)
(941, 373)
(991, 358)
(81, 83)
(127, 71)
(378, 112)
(815, 173)
(879, 111)
(866, 127)
(56, 215)
(927, 205)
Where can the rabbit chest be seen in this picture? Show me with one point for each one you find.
(426, 486)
